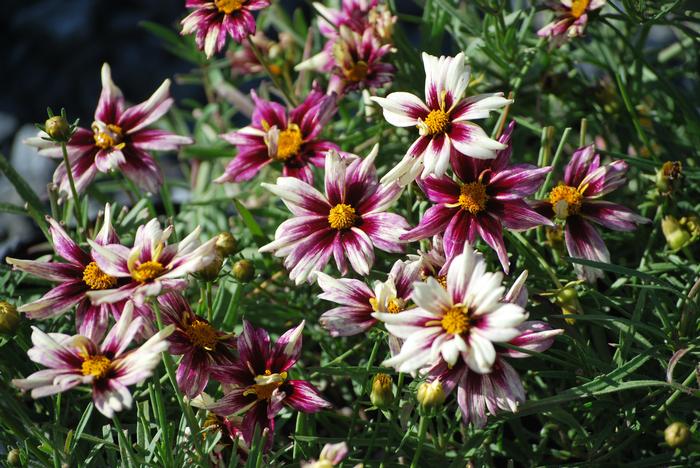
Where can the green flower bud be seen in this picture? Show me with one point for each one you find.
(668, 175)
(676, 236)
(243, 270)
(431, 395)
(677, 434)
(211, 271)
(382, 394)
(226, 244)
(9, 318)
(58, 128)
(13, 457)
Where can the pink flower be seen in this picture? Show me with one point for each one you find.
(260, 383)
(151, 266)
(458, 323)
(211, 21)
(331, 455)
(275, 135)
(443, 122)
(572, 19)
(117, 141)
(348, 222)
(77, 276)
(108, 368)
(353, 14)
(358, 302)
(577, 203)
(199, 343)
(487, 195)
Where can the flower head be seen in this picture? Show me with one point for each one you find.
(151, 265)
(77, 276)
(443, 121)
(487, 196)
(199, 343)
(577, 203)
(212, 21)
(118, 140)
(571, 20)
(259, 383)
(109, 368)
(348, 222)
(460, 322)
(331, 455)
(289, 138)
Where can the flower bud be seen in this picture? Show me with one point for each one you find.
(431, 395)
(567, 299)
(692, 224)
(211, 271)
(226, 244)
(676, 236)
(58, 128)
(382, 394)
(13, 457)
(668, 175)
(9, 318)
(243, 270)
(677, 434)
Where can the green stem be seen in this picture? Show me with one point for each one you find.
(74, 192)
(272, 76)
(422, 427)
(123, 442)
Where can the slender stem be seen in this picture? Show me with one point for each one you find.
(422, 427)
(273, 77)
(123, 442)
(582, 135)
(57, 422)
(74, 192)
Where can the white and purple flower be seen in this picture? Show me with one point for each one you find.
(487, 196)
(151, 266)
(571, 20)
(348, 222)
(458, 323)
(443, 121)
(118, 140)
(109, 368)
(275, 135)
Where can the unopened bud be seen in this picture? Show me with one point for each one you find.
(9, 318)
(692, 224)
(676, 236)
(243, 270)
(382, 394)
(226, 244)
(58, 128)
(211, 271)
(668, 176)
(431, 395)
(13, 457)
(677, 434)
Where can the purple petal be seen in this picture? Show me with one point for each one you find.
(491, 231)
(385, 229)
(65, 247)
(534, 336)
(583, 161)
(611, 215)
(304, 397)
(517, 214)
(433, 222)
(440, 189)
(584, 241)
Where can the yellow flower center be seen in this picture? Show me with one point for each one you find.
(107, 136)
(456, 320)
(565, 200)
(442, 279)
(288, 143)
(357, 72)
(202, 335)
(265, 385)
(394, 305)
(472, 197)
(96, 278)
(229, 6)
(578, 7)
(342, 216)
(147, 271)
(97, 366)
(437, 122)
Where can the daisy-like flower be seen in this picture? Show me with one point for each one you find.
(109, 368)
(118, 140)
(151, 266)
(348, 222)
(212, 21)
(487, 195)
(501, 389)
(274, 135)
(572, 17)
(200, 344)
(77, 276)
(259, 383)
(577, 203)
(431, 263)
(358, 16)
(358, 302)
(460, 322)
(443, 121)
